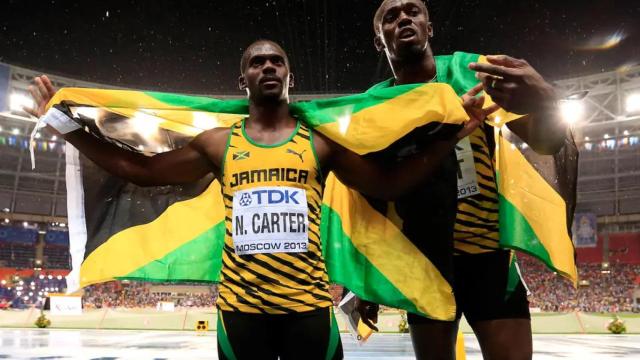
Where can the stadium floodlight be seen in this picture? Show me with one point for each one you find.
(25, 224)
(54, 138)
(38, 135)
(15, 131)
(59, 277)
(3, 282)
(49, 277)
(18, 100)
(0, 128)
(571, 110)
(625, 133)
(6, 221)
(586, 138)
(633, 102)
(606, 136)
(41, 277)
(63, 224)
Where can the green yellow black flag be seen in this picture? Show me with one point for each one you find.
(175, 233)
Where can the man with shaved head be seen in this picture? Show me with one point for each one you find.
(273, 300)
(461, 234)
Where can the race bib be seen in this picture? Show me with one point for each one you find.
(467, 178)
(270, 219)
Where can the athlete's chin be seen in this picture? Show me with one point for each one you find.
(269, 96)
(409, 50)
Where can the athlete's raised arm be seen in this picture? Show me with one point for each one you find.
(371, 179)
(198, 158)
(517, 87)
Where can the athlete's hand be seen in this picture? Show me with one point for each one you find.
(335, 291)
(473, 106)
(514, 84)
(41, 92)
(368, 312)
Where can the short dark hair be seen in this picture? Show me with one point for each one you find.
(377, 18)
(245, 53)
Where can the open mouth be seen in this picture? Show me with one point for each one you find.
(406, 33)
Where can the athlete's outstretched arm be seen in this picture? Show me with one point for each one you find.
(190, 163)
(371, 179)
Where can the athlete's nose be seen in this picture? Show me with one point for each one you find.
(268, 68)
(404, 20)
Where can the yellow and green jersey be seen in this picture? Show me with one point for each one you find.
(476, 226)
(272, 259)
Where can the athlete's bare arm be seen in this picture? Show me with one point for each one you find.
(371, 179)
(517, 87)
(198, 158)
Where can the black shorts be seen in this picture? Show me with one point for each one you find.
(480, 284)
(306, 335)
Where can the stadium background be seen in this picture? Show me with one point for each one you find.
(34, 242)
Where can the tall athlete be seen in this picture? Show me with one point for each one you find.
(273, 296)
(502, 325)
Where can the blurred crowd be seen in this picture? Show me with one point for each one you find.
(135, 294)
(601, 289)
(24, 292)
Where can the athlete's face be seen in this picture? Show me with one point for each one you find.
(403, 28)
(266, 74)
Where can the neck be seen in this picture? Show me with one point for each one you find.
(269, 115)
(418, 69)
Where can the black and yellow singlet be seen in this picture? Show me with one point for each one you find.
(476, 227)
(272, 259)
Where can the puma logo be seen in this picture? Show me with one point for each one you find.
(291, 151)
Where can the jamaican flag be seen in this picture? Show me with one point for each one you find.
(175, 233)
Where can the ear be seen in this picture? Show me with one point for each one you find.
(378, 43)
(242, 83)
(430, 29)
(291, 82)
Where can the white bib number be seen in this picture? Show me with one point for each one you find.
(467, 178)
(270, 219)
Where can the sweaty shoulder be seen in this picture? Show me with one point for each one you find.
(212, 143)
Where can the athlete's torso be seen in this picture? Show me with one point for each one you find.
(272, 258)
